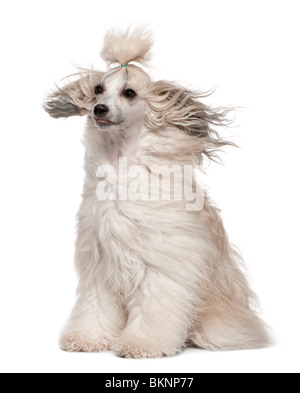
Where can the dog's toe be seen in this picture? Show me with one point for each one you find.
(141, 349)
(136, 352)
(83, 343)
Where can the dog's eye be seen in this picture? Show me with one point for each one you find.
(98, 90)
(129, 93)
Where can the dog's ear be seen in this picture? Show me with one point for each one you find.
(174, 106)
(76, 98)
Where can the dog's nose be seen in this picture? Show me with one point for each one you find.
(100, 110)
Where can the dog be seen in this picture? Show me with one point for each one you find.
(156, 274)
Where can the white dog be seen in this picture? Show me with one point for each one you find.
(155, 274)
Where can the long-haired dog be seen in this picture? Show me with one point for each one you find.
(156, 274)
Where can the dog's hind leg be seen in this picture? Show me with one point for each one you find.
(228, 329)
(229, 322)
(228, 319)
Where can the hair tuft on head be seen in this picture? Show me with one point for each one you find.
(124, 48)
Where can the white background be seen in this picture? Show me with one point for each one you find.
(249, 50)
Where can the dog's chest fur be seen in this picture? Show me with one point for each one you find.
(129, 237)
(117, 225)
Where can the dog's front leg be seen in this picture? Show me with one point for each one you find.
(97, 316)
(94, 322)
(159, 319)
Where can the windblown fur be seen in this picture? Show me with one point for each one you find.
(128, 47)
(154, 277)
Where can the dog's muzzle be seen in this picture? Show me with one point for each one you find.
(100, 112)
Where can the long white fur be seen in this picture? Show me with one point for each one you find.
(127, 47)
(153, 277)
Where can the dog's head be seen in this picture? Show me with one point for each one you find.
(119, 102)
(125, 96)
(114, 99)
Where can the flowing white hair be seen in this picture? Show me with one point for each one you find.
(124, 48)
(76, 98)
(173, 106)
(170, 105)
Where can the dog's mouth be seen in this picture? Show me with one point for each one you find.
(102, 122)
(105, 122)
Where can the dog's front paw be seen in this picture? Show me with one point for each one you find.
(83, 343)
(138, 348)
(133, 350)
